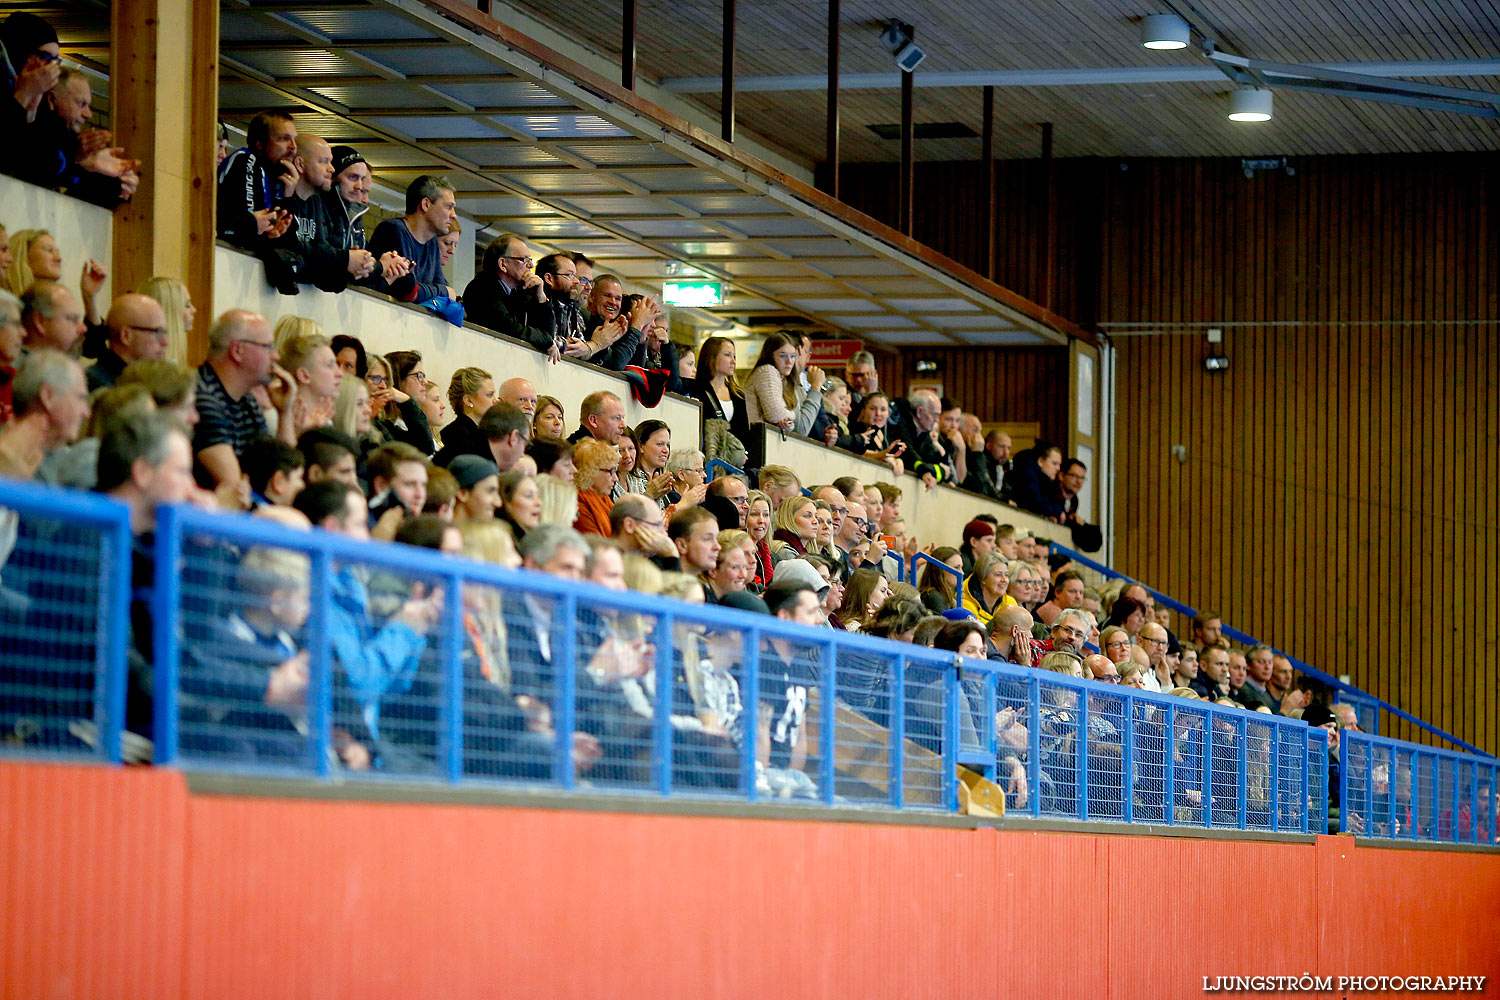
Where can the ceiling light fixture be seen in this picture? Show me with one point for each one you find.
(1164, 31)
(1250, 104)
(897, 36)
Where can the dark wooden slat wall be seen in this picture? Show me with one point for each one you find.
(1341, 495)
(997, 384)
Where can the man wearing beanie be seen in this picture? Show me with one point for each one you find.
(351, 183)
(29, 61)
(325, 260)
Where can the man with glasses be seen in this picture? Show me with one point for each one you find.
(241, 355)
(504, 290)
(1153, 639)
(851, 534)
(837, 501)
(636, 522)
(733, 489)
(585, 287)
(137, 331)
(52, 316)
(31, 68)
(1068, 634)
(1101, 668)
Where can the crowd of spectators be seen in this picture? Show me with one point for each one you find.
(318, 432)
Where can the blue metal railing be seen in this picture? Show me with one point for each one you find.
(887, 722)
(1366, 709)
(719, 464)
(1393, 790)
(66, 583)
(958, 576)
(1344, 692)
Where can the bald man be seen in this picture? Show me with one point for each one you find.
(137, 330)
(520, 393)
(319, 237)
(1010, 635)
(1101, 668)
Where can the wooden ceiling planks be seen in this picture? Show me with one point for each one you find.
(681, 40)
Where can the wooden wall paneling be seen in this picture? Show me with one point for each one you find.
(1337, 496)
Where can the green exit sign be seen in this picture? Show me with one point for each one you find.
(693, 293)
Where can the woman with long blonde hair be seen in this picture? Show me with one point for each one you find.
(177, 304)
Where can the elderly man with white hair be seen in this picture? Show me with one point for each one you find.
(1070, 630)
(915, 420)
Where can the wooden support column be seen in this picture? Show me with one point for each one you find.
(908, 150)
(627, 45)
(987, 178)
(1049, 231)
(832, 155)
(726, 110)
(164, 98)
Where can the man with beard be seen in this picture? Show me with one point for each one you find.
(321, 225)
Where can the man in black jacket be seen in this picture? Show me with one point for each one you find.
(64, 153)
(499, 295)
(321, 225)
(254, 178)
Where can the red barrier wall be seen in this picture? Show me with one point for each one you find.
(122, 884)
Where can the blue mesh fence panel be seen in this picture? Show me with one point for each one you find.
(1107, 712)
(1259, 744)
(1149, 758)
(863, 724)
(1355, 781)
(1225, 745)
(1403, 791)
(1317, 783)
(1188, 752)
(1291, 792)
(790, 673)
(1061, 710)
(1013, 741)
(57, 582)
(705, 712)
(509, 726)
(244, 671)
(1487, 803)
(925, 690)
(615, 700)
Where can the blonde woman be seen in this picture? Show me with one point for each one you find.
(985, 591)
(435, 408)
(559, 500)
(758, 526)
(177, 304)
(288, 327)
(597, 464)
(35, 257)
(471, 392)
(351, 412)
(796, 527)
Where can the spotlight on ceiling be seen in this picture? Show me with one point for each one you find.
(897, 37)
(1250, 104)
(1164, 31)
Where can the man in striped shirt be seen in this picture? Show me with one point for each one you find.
(241, 355)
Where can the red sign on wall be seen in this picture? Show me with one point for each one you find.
(834, 353)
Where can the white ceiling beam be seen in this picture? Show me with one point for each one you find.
(1081, 77)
